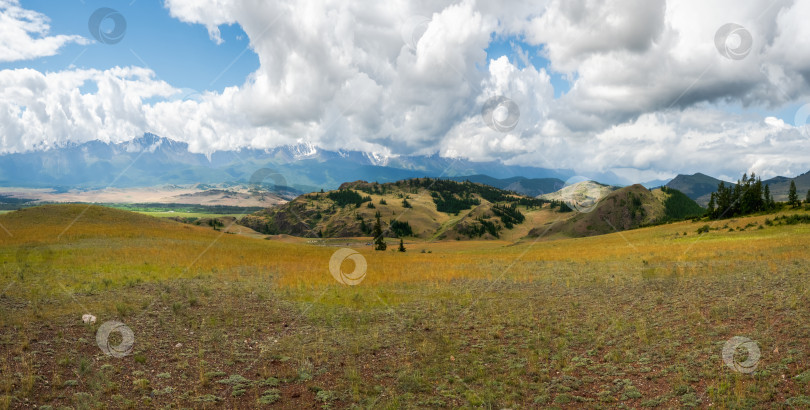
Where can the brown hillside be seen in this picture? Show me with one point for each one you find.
(627, 208)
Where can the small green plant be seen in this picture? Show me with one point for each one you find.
(269, 396)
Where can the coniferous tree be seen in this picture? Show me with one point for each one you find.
(379, 241)
(768, 198)
(793, 197)
(745, 197)
(401, 245)
(807, 198)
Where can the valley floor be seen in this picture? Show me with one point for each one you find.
(637, 318)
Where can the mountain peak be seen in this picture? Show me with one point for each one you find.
(146, 142)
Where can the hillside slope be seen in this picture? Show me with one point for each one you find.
(420, 208)
(697, 186)
(581, 194)
(627, 208)
(781, 185)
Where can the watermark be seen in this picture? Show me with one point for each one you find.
(413, 30)
(258, 178)
(360, 266)
(582, 194)
(107, 36)
(732, 352)
(800, 120)
(188, 94)
(500, 113)
(733, 41)
(103, 339)
(268, 179)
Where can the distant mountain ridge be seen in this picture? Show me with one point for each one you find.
(152, 160)
(699, 186)
(780, 186)
(526, 186)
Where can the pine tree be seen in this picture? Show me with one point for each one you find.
(793, 197)
(379, 241)
(711, 207)
(768, 199)
(401, 245)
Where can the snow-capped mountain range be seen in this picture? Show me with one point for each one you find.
(151, 160)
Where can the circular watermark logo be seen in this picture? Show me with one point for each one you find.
(500, 113)
(733, 41)
(360, 265)
(413, 30)
(582, 194)
(103, 339)
(733, 351)
(258, 178)
(104, 34)
(800, 120)
(189, 94)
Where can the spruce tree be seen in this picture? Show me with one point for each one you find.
(768, 199)
(793, 197)
(401, 245)
(379, 241)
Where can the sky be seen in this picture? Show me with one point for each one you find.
(646, 89)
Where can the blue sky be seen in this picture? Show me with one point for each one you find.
(181, 54)
(512, 47)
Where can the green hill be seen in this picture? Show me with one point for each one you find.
(421, 208)
(697, 187)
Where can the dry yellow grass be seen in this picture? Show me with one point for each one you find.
(635, 318)
(110, 245)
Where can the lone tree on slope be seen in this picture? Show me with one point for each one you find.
(379, 241)
(793, 198)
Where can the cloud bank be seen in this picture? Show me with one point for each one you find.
(650, 93)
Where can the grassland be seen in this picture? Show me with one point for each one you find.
(632, 319)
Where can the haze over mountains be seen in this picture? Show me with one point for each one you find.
(150, 161)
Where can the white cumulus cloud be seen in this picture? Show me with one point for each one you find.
(24, 34)
(650, 95)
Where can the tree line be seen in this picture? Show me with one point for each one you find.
(749, 195)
